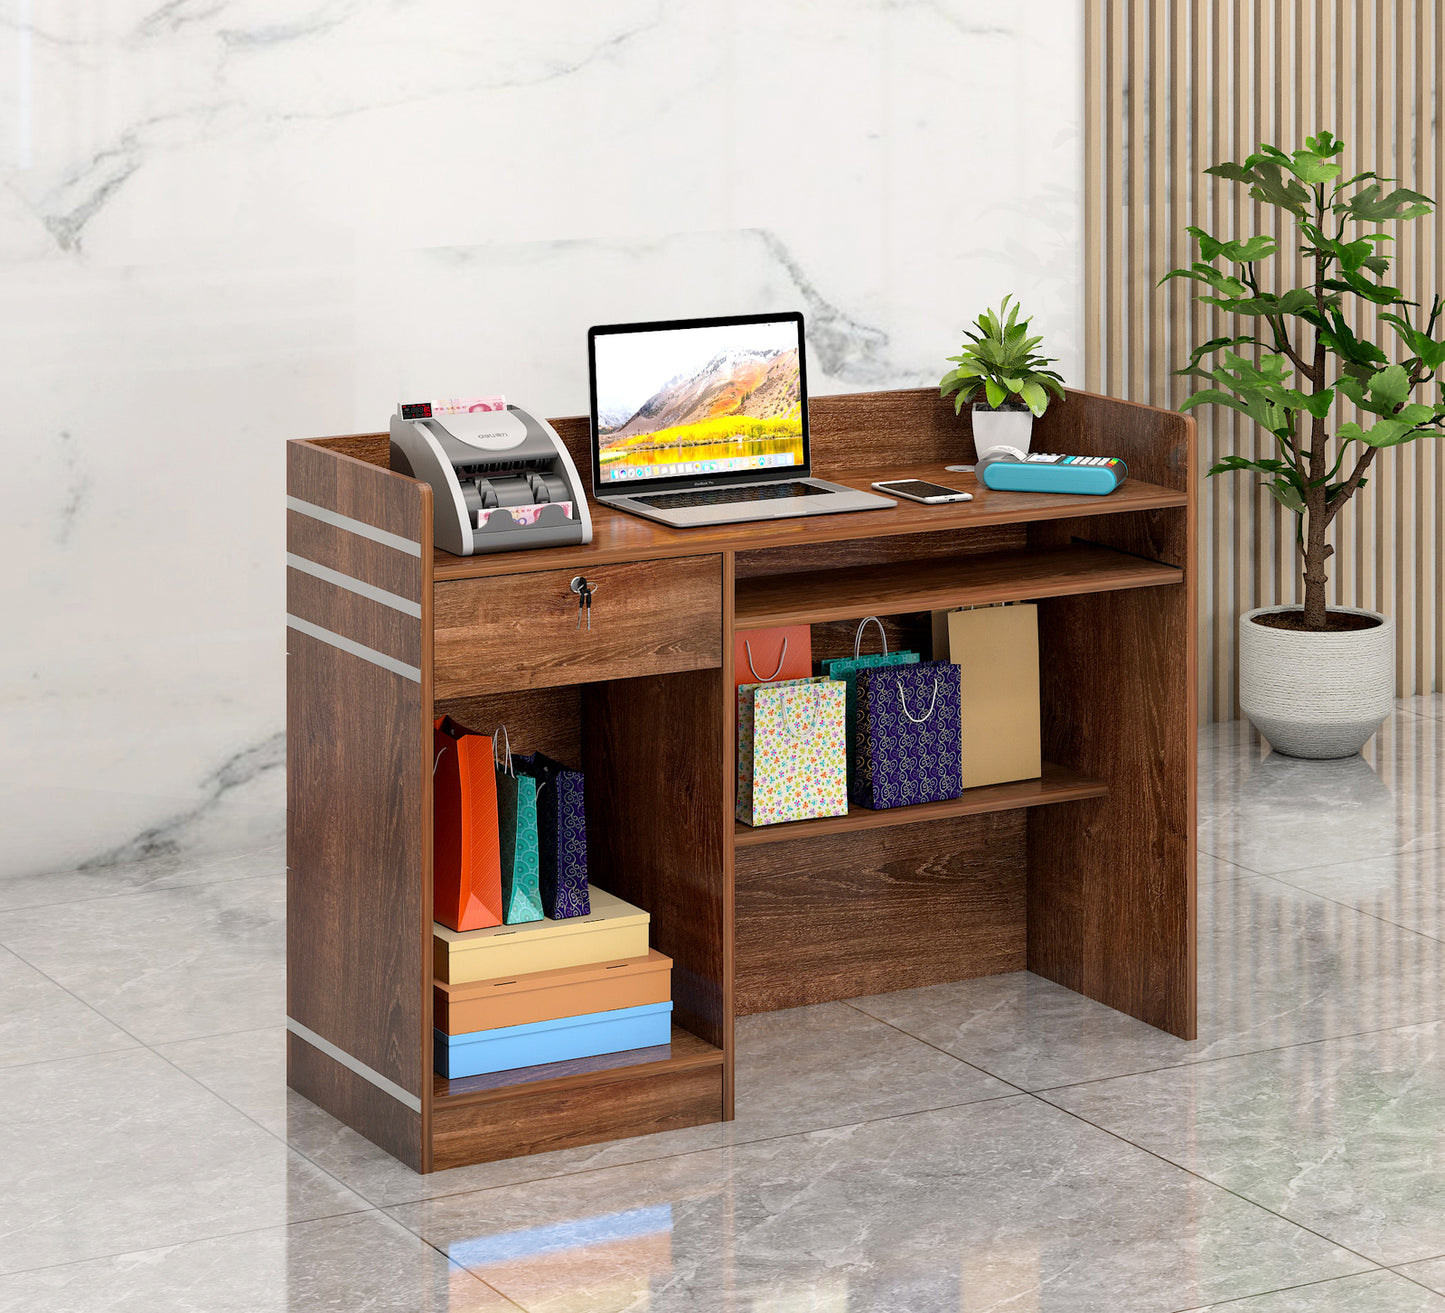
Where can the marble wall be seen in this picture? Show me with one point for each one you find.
(225, 223)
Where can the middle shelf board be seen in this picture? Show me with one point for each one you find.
(969, 580)
(1056, 784)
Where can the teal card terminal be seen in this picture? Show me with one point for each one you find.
(1007, 469)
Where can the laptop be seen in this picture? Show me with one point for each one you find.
(705, 421)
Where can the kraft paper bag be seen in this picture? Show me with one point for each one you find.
(792, 754)
(908, 735)
(466, 857)
(997, 650)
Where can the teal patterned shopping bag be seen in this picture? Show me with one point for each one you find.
(520, 843)
(847, 668)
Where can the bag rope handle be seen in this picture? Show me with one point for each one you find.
(506, 762)
(918, 720)
(858, 637)
(777, 669)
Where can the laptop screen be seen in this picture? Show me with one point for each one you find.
(701, 400)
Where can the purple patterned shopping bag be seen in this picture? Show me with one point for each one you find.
(562, 831)
(909, 735)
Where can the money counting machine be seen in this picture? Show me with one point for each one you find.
(502, 480)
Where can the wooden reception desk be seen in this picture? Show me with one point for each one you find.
(1085, 876)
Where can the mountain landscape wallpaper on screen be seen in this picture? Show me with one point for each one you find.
(743, 402)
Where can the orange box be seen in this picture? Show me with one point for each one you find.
(548, 995)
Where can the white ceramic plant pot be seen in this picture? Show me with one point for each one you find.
(1316, 695)
(1001, 428)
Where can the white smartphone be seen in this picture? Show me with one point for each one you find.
(917, 490)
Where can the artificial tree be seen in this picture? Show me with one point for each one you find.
(1310, 343)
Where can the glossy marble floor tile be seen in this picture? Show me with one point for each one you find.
(171, 963)
(1277, 965)
(1272, 814)
(1406, 889)
(797, 1070)
(1430, 1272)
(104, 1155)
(39, 1020)
(172, 871)
(1343, 1136)
(1370, 1292)
(359, 1261)
(1008, 1204)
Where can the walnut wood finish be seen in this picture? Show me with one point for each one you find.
(372, 624)
(537, 1119)
(522, 631)
(1057, 784)
(537, 720)
(1097, 893)
(684, 1050)
(653, 757)
(867, 912)
(937, 585)
(395, 571)
(358, 848)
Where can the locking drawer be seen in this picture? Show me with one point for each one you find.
(520, 631)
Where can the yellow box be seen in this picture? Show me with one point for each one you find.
(611, 931)
(998, 650)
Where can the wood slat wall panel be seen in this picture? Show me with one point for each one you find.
(1171, 87)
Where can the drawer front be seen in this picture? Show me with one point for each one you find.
(521, 630)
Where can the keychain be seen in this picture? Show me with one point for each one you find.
(584, 592)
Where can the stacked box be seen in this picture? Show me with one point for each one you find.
(548, 991)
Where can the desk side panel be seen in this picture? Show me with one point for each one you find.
(1112, 886)
(359, 800)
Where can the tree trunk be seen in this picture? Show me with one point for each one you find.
(1315, 555)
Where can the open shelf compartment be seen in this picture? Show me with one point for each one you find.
(939, 585)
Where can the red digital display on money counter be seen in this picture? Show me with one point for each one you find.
(416, 410)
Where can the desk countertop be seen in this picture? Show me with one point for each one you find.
(617, 536)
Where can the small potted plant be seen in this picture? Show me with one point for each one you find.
(999, 361)
(1316, 680)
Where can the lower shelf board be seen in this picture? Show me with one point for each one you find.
(561, 1107)
(685, 1051)
(1056, 784)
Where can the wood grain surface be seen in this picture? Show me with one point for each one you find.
(533, 1119)
(357, 1102)
(362, 558)
(866, 912)
(655, 830)
(902, 586)
(1057, 784)
(372, 624)
(522, 631)
(1112, 882)
(536, 719)
(337, 478)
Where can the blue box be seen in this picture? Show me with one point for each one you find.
(507, 1047)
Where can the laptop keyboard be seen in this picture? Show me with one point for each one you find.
(672, 501)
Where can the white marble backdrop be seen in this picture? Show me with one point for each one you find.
(225, 223)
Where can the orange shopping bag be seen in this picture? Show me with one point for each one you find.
(765, 656)
(467, 860)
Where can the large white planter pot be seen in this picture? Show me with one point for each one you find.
(1001, 428)
(1316, 695)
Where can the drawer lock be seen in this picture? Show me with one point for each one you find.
(584, 591)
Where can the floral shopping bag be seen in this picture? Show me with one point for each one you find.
(792, 751)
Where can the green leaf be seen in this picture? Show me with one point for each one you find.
(1296, 301)
(1390, 386)
(1317, 404)
(1212, 396)
(1233, 172)
(1384, 433)
(996, 394)
(1368, 206)
(1287, 495)
(1415, 413)
(1034, 397)
(1273, 188)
